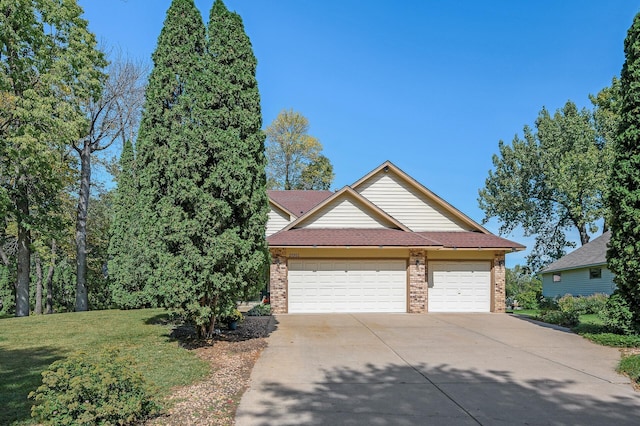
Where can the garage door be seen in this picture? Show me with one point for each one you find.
(459, 286)
(347, 286)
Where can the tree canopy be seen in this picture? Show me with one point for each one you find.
(293, 156)
(201, 204)
(551, 180)
(623, 256)
(49, 64)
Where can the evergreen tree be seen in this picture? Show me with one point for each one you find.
(232, 202)
(124, 264)
(624, 192)
(164, 160)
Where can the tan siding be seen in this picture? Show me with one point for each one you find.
(276, 221)
(408, 205)
(343, 213)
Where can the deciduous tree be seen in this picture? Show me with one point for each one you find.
(623, 256)
(112, 116)
(550, 181)
(48, 65)
(291, 150)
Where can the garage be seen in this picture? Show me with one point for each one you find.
(459, 287)
(347, 285)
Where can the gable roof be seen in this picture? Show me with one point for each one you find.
(297, 202)
(347, 192)
(440, 202)
(591, 254)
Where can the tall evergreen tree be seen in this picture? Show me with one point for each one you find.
(232, 202)
(164, 160)
(124, 264)
(623, 255)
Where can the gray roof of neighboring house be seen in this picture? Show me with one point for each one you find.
(590, 254)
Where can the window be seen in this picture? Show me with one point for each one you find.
(557, 277)
(595, 273)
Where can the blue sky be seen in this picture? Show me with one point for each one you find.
(430, 85)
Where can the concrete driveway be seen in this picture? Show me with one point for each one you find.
(435, 369)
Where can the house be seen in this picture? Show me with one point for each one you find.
(582, 272)
(384, 244)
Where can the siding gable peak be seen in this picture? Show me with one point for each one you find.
(346, 209)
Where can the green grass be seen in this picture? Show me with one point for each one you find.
(28, 345)
(630, 366)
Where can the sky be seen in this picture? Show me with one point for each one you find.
(432, 86)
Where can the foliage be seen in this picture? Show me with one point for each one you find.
(200, 169)
(617, 316)
(318, 175)
(614, 339)
(234, 315)
(630, 367)
(124, 265)
(29, 345)
(523, 287)
(563, 318)
(85, 391)
(550, 181)
(294, 160)
(260, 310)
(623, 255)
(156, 225)
(111, 116)
(49, 64)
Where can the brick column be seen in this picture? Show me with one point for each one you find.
(499, 282)
(278, 281)
(417, 282)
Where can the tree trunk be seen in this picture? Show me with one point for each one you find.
(50, 277)
(584, 236)
(38, 310)
(82, 300)
(24, 259)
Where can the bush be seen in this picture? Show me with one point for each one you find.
(81, 391)
(260, 310)
(563, 318)
(548, 304)
(617, 316)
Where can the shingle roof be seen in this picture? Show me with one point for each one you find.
(387, 237)
(592, 253)
(298, 202)
(462, 239)
(348, 237)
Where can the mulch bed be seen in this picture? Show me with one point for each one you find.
(232, 355)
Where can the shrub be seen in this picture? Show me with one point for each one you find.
(563, 318)
(617, 316)
(548, 304)
(81, 391)
(567, 303)
(528, 299)
(593, 304)
(260, 310)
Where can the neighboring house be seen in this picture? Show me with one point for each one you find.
(384, 244)
(582, 272)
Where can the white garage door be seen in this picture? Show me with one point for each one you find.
(459, 286)
(347, 286)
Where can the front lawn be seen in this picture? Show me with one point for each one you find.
(28, 345)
